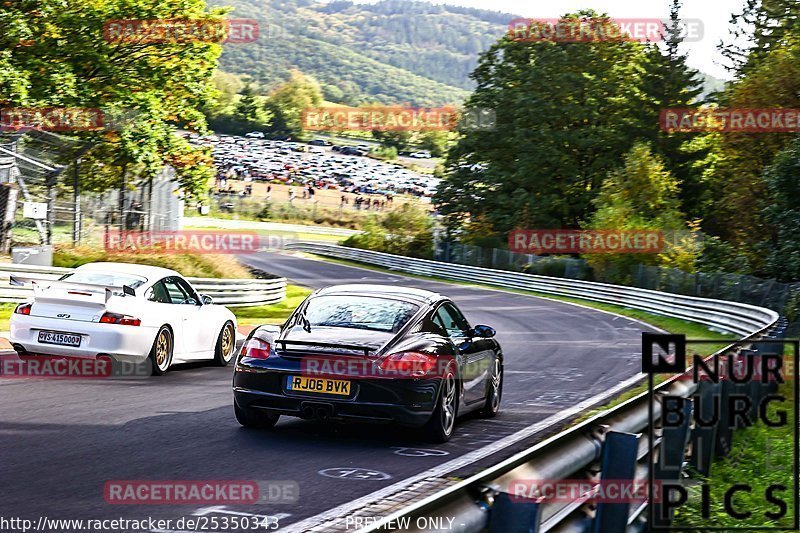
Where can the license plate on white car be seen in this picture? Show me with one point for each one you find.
(63, 339)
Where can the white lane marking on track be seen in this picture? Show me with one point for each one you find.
(361, 474)
(417, 452)
(459, 462)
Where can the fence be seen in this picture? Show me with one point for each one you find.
(228, 292)
(613, 446)
(732, 287)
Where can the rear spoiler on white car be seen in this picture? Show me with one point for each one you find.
(39, 284)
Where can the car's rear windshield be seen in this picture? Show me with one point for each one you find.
(104, 278)
(359, 312)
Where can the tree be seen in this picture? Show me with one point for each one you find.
(394, 139)
(783, 183)
(670, 83)
(287, 103)
(405, 231)
(60, 57)
(565, 114)
(435, 142)
(641, 195)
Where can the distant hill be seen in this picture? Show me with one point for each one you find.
(395, 51)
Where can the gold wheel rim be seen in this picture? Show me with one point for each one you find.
(227, 340)
(162, 349)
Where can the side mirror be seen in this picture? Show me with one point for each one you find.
(483, 331)
(207, 300)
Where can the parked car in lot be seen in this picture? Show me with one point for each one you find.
(422, 154)
(127, 312)
(320, 142)
(350, 150)
(255, 135)
(370, 353)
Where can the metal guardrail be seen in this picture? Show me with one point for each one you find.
(729, 317)
(612, 445)
(228, 292)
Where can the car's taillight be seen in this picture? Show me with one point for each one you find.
(23, 309)
(116, 318)
(256, 348)
(412, 364)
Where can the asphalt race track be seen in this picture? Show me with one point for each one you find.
(62, 440)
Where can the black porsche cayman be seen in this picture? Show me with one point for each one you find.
(370, 353)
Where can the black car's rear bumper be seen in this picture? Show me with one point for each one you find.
(408, 402)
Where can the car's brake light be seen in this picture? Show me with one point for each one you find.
(412, 364)
(23, 309)
(256, 348)
(116, 318)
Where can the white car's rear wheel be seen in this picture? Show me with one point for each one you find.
(226, 345)
(161, 353)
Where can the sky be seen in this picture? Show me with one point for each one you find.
(703, 54)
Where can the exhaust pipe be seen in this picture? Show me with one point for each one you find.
(308, 412)
(322, 413)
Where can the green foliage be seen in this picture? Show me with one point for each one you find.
(783, 183)
(565, 113)
(287, 103)
(54, 54)
(435, 142)
(760, 456)
(406, 231)
(191, 265)
(642, 195)
(395, 139)
(359, 52)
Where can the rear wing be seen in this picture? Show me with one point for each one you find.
(354, 347)
(39, 285)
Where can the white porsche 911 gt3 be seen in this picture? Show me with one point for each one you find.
(126, 311)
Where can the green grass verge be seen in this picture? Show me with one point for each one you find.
(5, 314)
(760, 457)
(272, 314)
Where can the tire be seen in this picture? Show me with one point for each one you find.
(226, 345)
(442, 423)
(254, 418)
(161, 351)
(494, 391)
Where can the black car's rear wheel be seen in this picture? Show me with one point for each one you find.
(254, 418)
(440, 427)
(494, 391)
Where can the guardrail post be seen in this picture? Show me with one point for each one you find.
(617, 465)
(674, 438)
(511, 515)
(724, 433)
(704, 436)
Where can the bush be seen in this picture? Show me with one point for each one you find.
(200, 266)
(406, 231)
